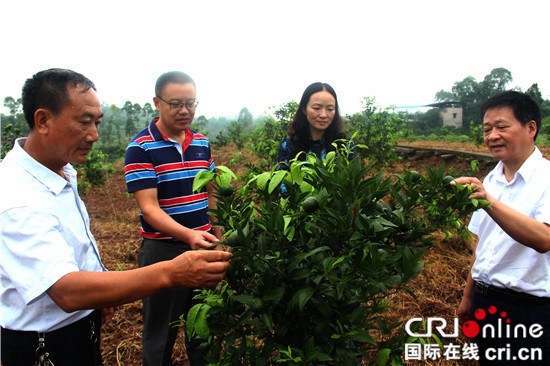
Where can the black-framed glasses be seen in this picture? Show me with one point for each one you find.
(190, 105)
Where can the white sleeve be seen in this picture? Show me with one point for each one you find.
(34, 253)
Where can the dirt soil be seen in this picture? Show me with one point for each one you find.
(115, 223)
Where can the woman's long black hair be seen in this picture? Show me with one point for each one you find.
(298, 130)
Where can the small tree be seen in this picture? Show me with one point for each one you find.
(237, 134)
(476, 134)
(129, 127)
(9, 135)
(311, 274)
(268, 135)
(96, 170)
(199, 124)
(245, 119)
(377, 130)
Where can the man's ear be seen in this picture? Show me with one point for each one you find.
(42, 119)
(156, 102)
(532, 127)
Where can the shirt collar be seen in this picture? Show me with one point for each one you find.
(155, 132)
(53, 181)
(526, 170)
(157, 135)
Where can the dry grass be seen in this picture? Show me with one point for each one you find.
(115, 224)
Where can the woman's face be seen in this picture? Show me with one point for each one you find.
(320, 111)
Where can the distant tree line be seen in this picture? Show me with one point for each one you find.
(471, 93)
(121, 123)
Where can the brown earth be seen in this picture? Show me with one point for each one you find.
(462, 146)
(115, 224)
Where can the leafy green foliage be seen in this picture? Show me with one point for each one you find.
(221, 140)
(237, 134)
(95, 171)
(199, 124)
(302, 266)
(476, 134)
(446, 206)
(268, 135)
(471, 93)
(378, 130)
(9, 135)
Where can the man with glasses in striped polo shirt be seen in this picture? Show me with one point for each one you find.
(161, 163)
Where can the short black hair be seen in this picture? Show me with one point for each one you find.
(525, 108)
(49, 89)
(176, 77)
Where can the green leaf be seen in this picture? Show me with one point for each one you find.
(261, 180)
(226, 170)
(323, 357)
(301, 297)
(275, 294)
(191, 317)
(276, 180)
(224, 179)
(296, 173)
(268, 320)
(383, 355)
(287, 219)
(201, 325)
(306, 187)
(202, 178)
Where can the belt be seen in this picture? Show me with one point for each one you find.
(505, 294)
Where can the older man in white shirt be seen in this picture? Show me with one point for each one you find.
(509, 282)
(54, 290)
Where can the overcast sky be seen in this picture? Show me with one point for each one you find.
(258, 54)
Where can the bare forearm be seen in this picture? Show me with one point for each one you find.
(95, 290)
(522, 228)
(165, 224)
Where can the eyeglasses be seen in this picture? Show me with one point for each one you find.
(190, 105)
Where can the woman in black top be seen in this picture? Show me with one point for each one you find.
(315, 127)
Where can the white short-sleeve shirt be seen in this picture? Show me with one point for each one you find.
(500, 260)
(44, 235)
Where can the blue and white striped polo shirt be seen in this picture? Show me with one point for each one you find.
(155, 161)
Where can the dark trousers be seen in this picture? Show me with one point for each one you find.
(165, 307)
(514, 349)
(68, 346)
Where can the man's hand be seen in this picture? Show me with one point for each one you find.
(463, 311)
(198, 268)
(200, 239)
(479, 191)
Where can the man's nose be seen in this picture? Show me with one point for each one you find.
(93, 134)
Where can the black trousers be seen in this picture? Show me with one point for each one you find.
(74, 344)
(509, 311)
(164, 308)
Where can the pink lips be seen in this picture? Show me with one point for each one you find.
(497, 147)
